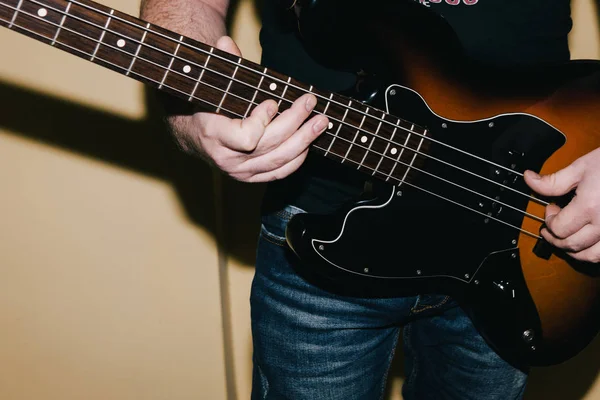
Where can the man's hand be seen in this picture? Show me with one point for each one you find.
(258, 148)
(576, 227)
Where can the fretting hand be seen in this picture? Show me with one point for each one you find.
(576, 227)
(259, 148)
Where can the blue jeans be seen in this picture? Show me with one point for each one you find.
(315, 345)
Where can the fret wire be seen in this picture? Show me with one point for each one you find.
(454, 202)
(200, 77)
(171, 63)
(400, 153)
(256, 94)
(327, 105)
(355, 136)
(386, 150)
(14, 17)
(234, 113)
(102, 35)
(254, 71)
(371, 144)
(228, 86)
(62, 21)
(339, 127)
(414, 156)
(285, 90)
(137, 51)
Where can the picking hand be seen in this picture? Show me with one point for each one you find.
(257, 148)
(576, 227)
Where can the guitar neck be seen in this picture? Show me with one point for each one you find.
(363, 137)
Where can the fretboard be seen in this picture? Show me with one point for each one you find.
(365, 138)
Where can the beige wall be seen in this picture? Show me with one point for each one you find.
(111, 280)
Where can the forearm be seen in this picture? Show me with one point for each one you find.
(203, 20)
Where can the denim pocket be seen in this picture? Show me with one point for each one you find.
(274, 224)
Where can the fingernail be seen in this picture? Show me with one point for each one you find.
(310, 103)
(271, 111)
(319, 126)
(534, 175)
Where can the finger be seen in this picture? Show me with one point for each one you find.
(584, 238)
(243, 135)
(558, 183)
(289, 149)
(565, 222)
(287, 123)
(591, 254)
(227, 44)
(281, 172)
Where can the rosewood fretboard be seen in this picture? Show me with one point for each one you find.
(367, 139)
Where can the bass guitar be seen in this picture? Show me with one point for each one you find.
(444, 138)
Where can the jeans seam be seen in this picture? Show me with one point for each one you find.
(387, 371)
(416, 309)
(410, 380)
(271, 238)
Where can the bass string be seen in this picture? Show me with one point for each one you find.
(344, 106)
(367, 167)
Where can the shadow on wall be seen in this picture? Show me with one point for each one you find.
(142, 146)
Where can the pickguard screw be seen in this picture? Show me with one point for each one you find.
(491, 124)
(467, 276)
(321, 247)
(399, 193)
(444, 125)
(393, 92)
(528, 335)
(418, 272)
(487, 220)
(514, 241)
(476, 282)
(532, 348)
(514, 255)
(366, 270)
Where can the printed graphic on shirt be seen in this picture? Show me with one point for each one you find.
(427, 3)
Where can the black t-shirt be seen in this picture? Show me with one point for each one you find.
(503, 32)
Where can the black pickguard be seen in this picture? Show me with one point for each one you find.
(419, 230)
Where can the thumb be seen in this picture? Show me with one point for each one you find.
(556, 184)
(227, 44)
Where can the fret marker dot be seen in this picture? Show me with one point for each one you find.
(42, 12)
(273, 86)
(330, 125)
(121, 43)
(364, 139)
(187, 69)
(394, 150)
